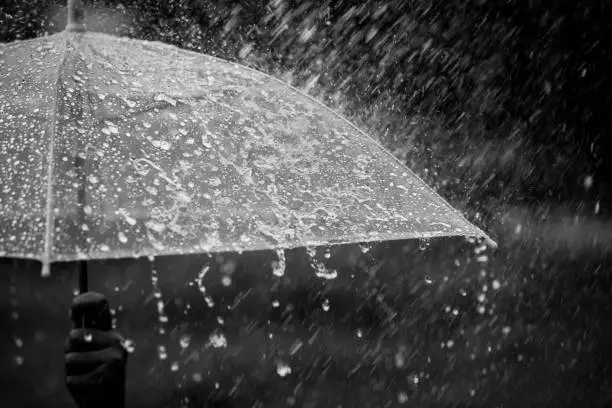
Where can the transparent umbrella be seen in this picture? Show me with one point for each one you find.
(113, 147)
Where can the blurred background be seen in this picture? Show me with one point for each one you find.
(501, 106)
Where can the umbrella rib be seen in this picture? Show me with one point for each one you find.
(52, 128)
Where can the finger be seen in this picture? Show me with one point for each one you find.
(84, 363)
(87, 300)
(91, 310)
(84, 340)
(111, 372)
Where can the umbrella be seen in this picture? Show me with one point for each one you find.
(113, 147)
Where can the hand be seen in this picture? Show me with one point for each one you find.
(94, 355)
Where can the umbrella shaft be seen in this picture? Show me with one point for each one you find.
(83, 278)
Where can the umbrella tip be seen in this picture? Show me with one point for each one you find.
(76, 16)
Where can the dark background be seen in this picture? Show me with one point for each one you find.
(503, 106)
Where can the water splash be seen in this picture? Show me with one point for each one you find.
(217, 340)
(14, 302)
(162, 318)
(283, 369)
(321, 271)
(202, 287)
(278, 267)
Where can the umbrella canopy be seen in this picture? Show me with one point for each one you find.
(113, 147)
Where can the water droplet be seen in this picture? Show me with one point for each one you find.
(450, 343)
(295, 347)
(88, 337)
(496, 285)
(482, 259)
(217, 340)
(278, 267)
(325, 305)
(185, 340)
(174, 367)
(364, 248)
(275, 303)
(359, 333)
(327, 253)
(197, 377)
(428, 280)
(588, 182)
(402, 397)
(19, 360)
(122, 237)
(104, 248)
(18, 342)
(283, 369)
(162, 353)
(129, 346)
(226, 281)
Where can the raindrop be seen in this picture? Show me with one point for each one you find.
(129, 346)
(19, 360)
(359, 333)
(18, 342)
(325, 305)
(226, 281)
(174, 367)
(88, 337)
(321, 271)
(217, 340)
(185, 340)
(283, 369)
(295, 347)
(402, 397)
(200, 278)
(588, 182)
(482, 259)
(122, 237)
(327, 254)
(450, 343)
(428, 280)
(364, 248)
(275, 303)
(220, 320)
(162, 353)
(496, 285)
(197, 377)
